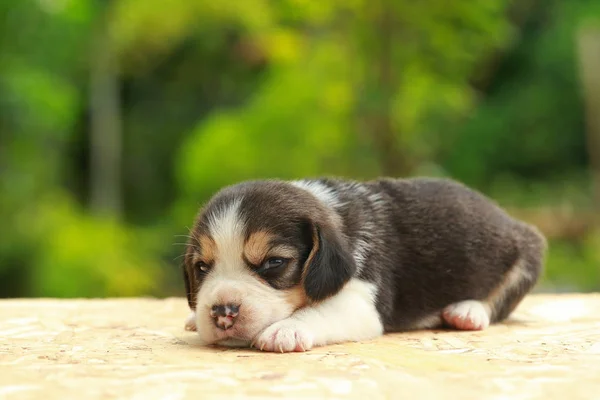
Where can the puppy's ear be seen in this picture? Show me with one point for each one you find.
(329, 264)
(189, 280)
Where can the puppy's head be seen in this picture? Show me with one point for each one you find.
(259, 251)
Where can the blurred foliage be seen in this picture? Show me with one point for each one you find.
(532, 122)
(105, 254)
(573, 266)
(485, 91)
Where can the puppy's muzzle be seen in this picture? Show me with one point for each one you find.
(225, 315)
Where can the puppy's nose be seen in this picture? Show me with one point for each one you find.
(224, 315)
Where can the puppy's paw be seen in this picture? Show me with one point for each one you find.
(468, 315)
(285, 336)
(190, 322)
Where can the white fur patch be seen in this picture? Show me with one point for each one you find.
(360, 253)
(363, 244)
(322, 192)
(226, 229)
(190, 322)
(357, 187)
(377, 201)
(468, 315)
(350, 315)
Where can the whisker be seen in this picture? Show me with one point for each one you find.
(191, 232)
(185, 236)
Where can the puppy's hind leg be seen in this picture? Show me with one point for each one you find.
(478, 314)
(468, 315)
(501, 302)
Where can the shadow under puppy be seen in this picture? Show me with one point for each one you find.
(289, 265)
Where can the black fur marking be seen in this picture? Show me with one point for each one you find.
(331, 267)
(188, 289)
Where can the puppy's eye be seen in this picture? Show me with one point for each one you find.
(274, 262)
(201, 267)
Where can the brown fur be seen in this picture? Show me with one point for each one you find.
(208, 250)
(296, 296)
(257, 246)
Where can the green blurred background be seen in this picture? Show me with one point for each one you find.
(119, 118)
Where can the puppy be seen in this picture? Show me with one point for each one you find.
(287, 266)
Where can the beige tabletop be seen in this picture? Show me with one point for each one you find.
(137, 349)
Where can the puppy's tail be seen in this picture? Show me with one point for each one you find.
(532, 246)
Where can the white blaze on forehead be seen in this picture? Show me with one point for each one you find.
(227, 230)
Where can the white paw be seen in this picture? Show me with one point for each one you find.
(285, 336)
(468, 315)
(190, 322)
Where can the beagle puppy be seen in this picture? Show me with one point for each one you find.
(289, 265)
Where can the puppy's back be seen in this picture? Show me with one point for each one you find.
(455, 244)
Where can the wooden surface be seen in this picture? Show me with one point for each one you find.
(137, 349)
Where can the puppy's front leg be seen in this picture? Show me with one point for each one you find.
(190, 322)
(350, 315)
